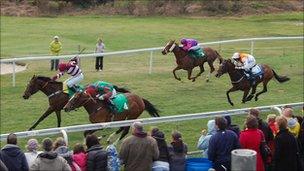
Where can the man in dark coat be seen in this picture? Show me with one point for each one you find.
(97, 157)
(286, 148)
(12, 156)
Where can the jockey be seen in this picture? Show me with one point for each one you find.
(246, 62)
(72, 69)
(190, 44)
(103, 91)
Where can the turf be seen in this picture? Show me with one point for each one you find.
(23, 36)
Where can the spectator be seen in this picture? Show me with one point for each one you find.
(292, 123)
(138, 151)
(251, 138)
(286, 149)
(203, 141)
(271, 123)
(113, 160)
(2, 166)
(99, 59)
(263, 126)
(234, 128)
(32, 147)
(62, 150)
(162, 163)
(96, 156)
(49, 160)
(221, 144)
(79, 158)
(55, 47)
(12, 156)
(177, 151)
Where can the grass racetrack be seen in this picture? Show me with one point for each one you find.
(21, 36)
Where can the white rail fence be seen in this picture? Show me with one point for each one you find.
(151, 50)
(184, 117)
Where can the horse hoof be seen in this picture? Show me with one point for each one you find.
(30, 129)
(193, 80)
(207, 80)
(256, 99)
(231, 104)
(249, 98)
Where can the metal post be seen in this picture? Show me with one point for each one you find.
(14, 73)
(252, 46)
(151, 62)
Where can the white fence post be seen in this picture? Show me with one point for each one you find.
(65, 136)
(14, 73)
(252, 47)
(151, 62)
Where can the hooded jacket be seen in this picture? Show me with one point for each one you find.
(203, 142)
(96, 159)
(13, 158)
(50, 161)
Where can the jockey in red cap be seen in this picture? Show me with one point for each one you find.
(72, 69)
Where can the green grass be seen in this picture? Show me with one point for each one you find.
(23, 36)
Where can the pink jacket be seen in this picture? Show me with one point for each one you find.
(81, 160)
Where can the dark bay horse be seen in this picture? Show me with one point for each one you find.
(98, 112)
(187, 63)
(56, 97)
(239, 81)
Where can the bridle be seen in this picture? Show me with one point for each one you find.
(171, 48)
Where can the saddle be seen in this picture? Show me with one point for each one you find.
(196, 53)
(256, 72)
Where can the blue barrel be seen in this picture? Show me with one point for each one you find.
(198, 164)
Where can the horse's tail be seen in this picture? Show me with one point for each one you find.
(120, 89)
(281, 79)
(150, 108)
(219, 57)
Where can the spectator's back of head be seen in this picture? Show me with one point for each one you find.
(287, 112)
(59, 142)
(221, 123)
(271, 118)
(78, 148)
(254, 112)
(177, 143)
(47, 144)
(32, 145)
(12, 139)
(281, 122)
(92, 140)
(137, 127)
(251, 122)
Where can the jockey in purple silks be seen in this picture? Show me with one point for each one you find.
(190, 44)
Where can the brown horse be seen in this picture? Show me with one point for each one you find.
(187, 63)
(53, 90)
(239, 81)
(99, 112)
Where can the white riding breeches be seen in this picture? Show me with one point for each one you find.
(195, 47)
(74, 80)
(113, 93)
(249, 63)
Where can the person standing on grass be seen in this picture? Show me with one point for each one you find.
(55, 47)
(99, 59)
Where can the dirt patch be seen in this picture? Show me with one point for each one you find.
(8, 68)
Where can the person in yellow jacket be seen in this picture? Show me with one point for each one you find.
(55, 47)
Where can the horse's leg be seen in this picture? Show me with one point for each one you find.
(210, 63)
(263, 91)
(175, 69)
(227, 93)
(189, 75)
(46, 114)
(125, 132)
(109, 140)
(246, 91)
(252, 92)
(58, 114)
(200, 72)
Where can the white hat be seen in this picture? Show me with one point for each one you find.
(56, 37)
(236, 55)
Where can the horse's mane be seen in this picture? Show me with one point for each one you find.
(47, 79)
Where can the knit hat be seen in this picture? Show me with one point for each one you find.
(291, 123)
(32, 145)
(158, 135)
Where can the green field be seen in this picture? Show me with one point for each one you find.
(22, 36)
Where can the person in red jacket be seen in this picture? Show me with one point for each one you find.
(79, 158)
(251, 138)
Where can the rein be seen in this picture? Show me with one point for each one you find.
(238, 81)
(45, 84)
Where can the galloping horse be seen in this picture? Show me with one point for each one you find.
(187, 63)
(239, 82)
(53, 90)
(98, 112)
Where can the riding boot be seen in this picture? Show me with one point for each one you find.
(112, 106)
(74, 88)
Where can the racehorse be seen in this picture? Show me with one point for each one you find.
(53, 90)
(99, 112)
(239, 82)
(187, 63)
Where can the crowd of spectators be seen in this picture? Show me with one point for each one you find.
(143, 151)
